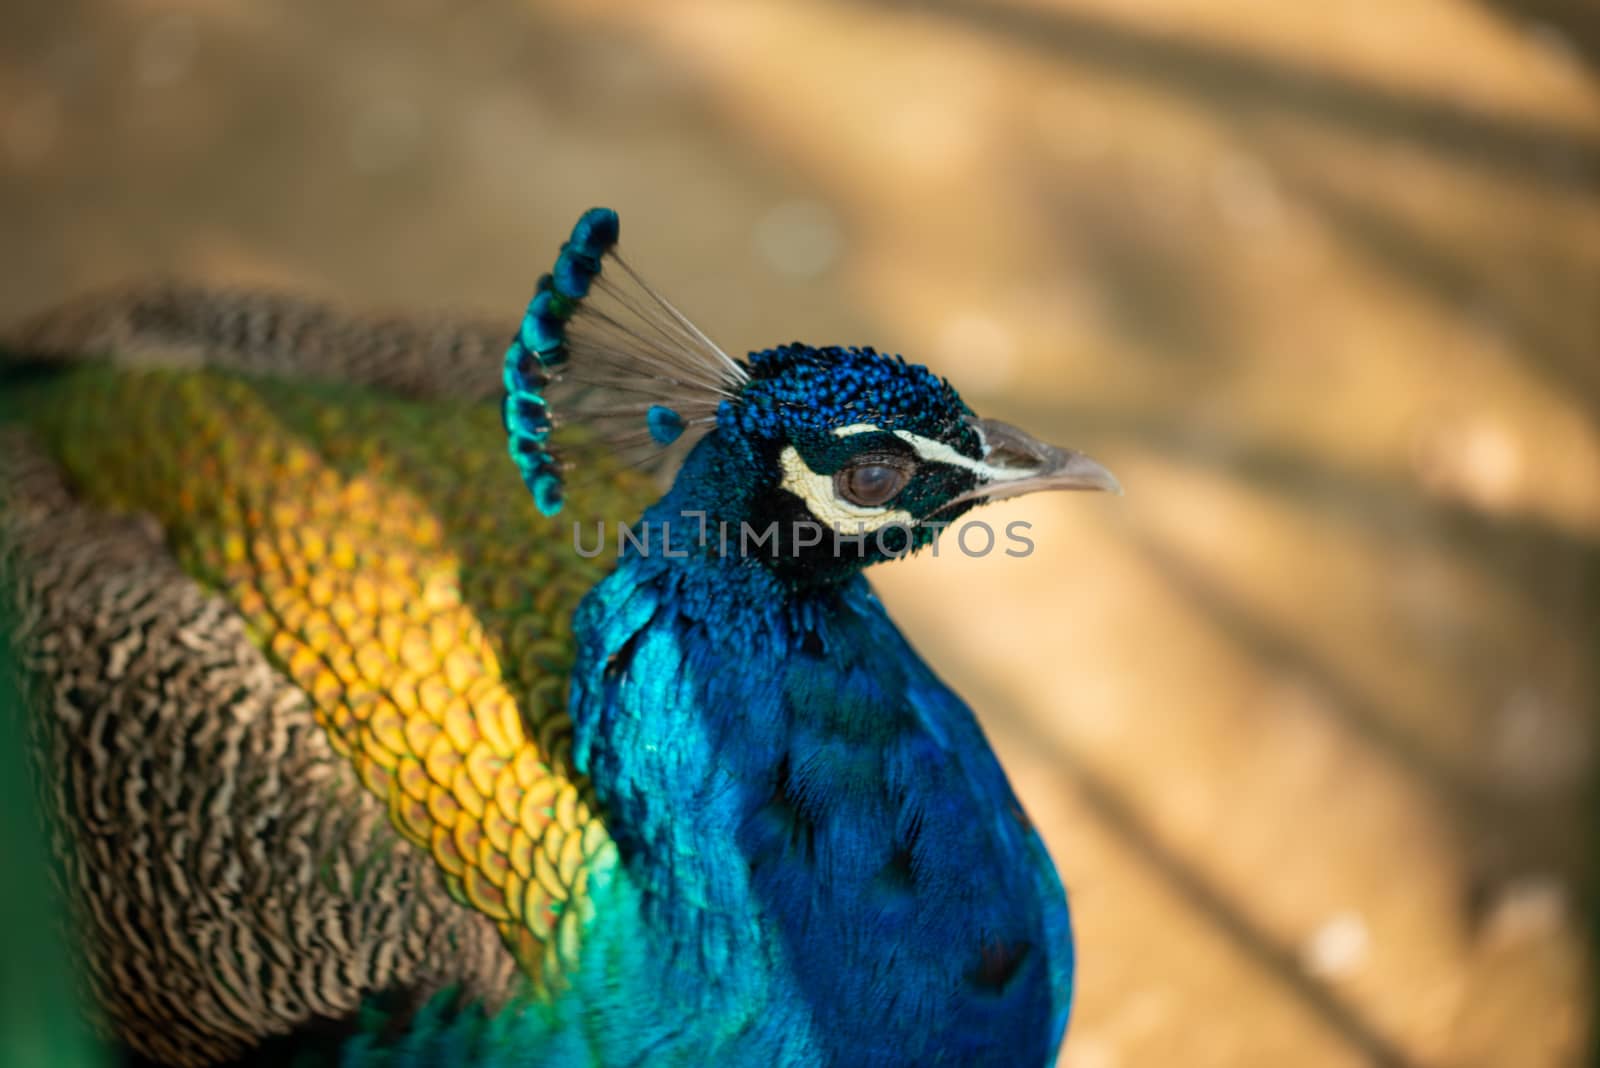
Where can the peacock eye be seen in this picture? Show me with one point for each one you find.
(871, 483)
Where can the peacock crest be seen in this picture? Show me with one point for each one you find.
(604, 347)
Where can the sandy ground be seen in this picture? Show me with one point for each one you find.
(1308, 715)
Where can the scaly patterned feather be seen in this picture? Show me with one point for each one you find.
(273, 509)
(382, 558)
(229, 876)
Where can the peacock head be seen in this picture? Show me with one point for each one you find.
(822, 459)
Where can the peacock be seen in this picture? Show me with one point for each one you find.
(359, 744)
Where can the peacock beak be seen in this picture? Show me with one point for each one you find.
(1016, 462)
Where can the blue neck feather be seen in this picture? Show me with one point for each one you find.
(818, 832)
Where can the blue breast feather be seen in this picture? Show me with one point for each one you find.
(831, 865)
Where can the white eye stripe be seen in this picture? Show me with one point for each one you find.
(938, 452)
(856, 428)
(827, 507)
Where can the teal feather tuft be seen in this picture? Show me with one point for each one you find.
(666, 425)
(599, 346)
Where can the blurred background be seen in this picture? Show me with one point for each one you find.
(1308, 717)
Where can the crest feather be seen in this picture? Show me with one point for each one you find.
(599, 345)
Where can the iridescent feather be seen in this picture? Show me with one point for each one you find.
(605, 348)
